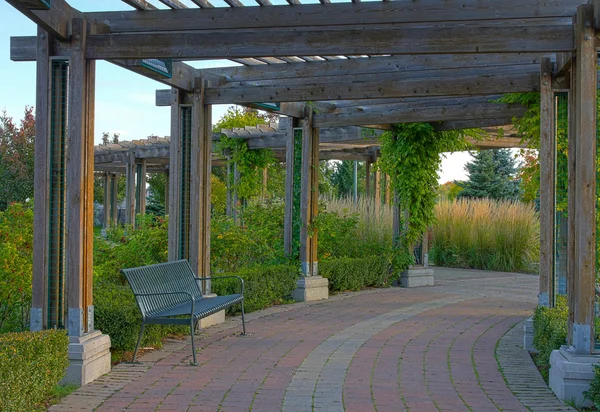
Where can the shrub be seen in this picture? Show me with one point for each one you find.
(31, 364)
(116, 313)
(264, 286)
(16, 265)
(356, 273)
(549, 331)
(593, 394)
(486, 234)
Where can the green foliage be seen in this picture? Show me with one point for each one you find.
(449, 191)
(356, 273)
(127, 247)
(16, 266)
(31, 364)
(99, 188)
(491, 174)
(265, 285)
(16, 158)
(249, 162)
(528, 126)
(343, 178)
(549, 332)
(116, 313)
(157, 183)
(486, 234)
(593, 394)
(410, 155)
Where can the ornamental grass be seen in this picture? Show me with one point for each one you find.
(486, 234)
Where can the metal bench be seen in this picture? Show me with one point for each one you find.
(167, 292)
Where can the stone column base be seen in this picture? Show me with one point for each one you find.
(416, 276)
(571, 374)
(311, 288)
(213, 319)
(89, 358)
(528, 336)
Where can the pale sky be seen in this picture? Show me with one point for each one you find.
(124, 100)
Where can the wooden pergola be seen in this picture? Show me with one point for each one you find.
(323, 65)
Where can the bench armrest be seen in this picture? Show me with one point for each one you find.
(165, 294)
(227, 277)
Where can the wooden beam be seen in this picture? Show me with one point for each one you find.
(585, 189)
(130, 191)
(175, 177)
(471, 109)
(472, 84)
(317, 15)
(348, 41)
(289, 186)
(140, 4)
(377, 64)
(547, 185)
(55, 20)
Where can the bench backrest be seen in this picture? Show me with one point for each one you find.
(176, 276)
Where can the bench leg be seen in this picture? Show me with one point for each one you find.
(243, 320)
(138, 343)
(192, 323)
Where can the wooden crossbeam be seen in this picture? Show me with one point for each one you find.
(408, 113)
(351, 41)
(140, 4)
(315, 15)
(374, 89)
(379, 64)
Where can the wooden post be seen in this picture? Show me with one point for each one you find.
(175, 177)
(309, 196)
(114, 208)
(107, 199)
(229, 198)
(582, 334)
(355, 181)
(289, 185)
(167, 185)
(572, 162)
(80, 185)
(425, 248)
(140, 187)
(235, 200)
(547, 185)
(265, 180)
(368, 179)
(388, 189)
(200, 170)
(130, 191)
(377, 193)
(42, 178)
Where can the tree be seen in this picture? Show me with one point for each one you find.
(343, 178)
(16, 158)
(449, 190)
(492, 175)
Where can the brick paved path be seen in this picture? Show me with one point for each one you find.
(423, 349)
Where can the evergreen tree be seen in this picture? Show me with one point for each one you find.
(343, 178)
(491, 174)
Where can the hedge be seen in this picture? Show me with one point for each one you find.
(264, 285)
(31, 364)
(549, 331)
(116, 313)
(356, 273)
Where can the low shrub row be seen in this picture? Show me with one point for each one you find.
(31, 364)
(550, 332)
(356, 273)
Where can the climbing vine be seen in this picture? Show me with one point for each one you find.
(410, 155)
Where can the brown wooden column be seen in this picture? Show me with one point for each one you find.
(309, 195)
(175, 177)
(229, 194)
(377, 193)
(130, 191)
(167, 191)
(288, 124)
(583, 297)
(572, 162)
(388, 190)
(42, 179)
(547, 185)
(114, 207)
(368, 179)
(106, 182)
(141, 193)
(201, 152)
(80, 186)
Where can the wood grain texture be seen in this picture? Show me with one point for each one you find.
(175, 176)
(315, 15)
(289, 185)
(346, 41)
(547, 158)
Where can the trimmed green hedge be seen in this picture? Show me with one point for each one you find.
(117, 314)
(549, 332)
(31, 364)
(356, 273)
(264, 286)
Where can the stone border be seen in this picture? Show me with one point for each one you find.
(522, 376)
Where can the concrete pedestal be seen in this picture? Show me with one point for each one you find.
(311, 288)
(570, 375)
(213, 319)
(528, 336)
(89, 358)
(416, 276)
